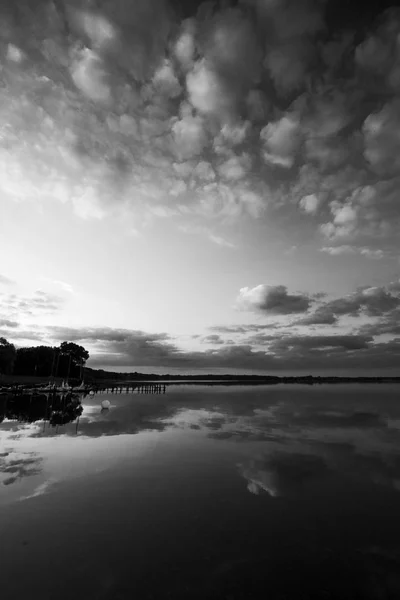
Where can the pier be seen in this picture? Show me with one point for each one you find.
(136, 388)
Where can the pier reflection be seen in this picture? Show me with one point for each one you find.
(54, 408)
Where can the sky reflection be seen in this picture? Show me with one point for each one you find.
(228, 482)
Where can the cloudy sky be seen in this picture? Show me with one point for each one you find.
(191, 185)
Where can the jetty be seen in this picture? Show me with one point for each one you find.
(138, 388)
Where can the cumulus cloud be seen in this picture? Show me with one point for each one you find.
(281, 141)
(122, 105)
(309, 204)
(377, 56)
(369, 301)
(273, 299)
(382, 139)
(190, 137)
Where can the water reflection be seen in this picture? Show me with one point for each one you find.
(210, 489)
(58, 409)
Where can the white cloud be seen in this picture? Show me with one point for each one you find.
(15, 54)
(310, 204)
(382, 139)
(184, 47)
(190, 137)
(376, 254)
(206, 91)
(165, 80)
(273, 299)
(281, 141)
(41, 489)
(235, 168)
(89, 76)
(99, 29)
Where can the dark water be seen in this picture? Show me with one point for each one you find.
(288, 492)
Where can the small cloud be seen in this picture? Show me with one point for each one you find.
(310, 204)
(8, 323)
(39, 490)
(273, 299)
(6, 280)
(346, 249)
(220, 241)
(281, 141)
(212, 339)
(65, 286)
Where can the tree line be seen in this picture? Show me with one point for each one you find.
(66, 360)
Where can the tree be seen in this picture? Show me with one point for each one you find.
(37, 360)
(78, 356)
(7, 356)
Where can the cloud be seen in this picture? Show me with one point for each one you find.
(17, 465)
(375, 254)
(39, 303)
(282, 473)
(212, 339)
(204, 231)
(370, 301)
(206, 91)
(281, 141)
(273, 300)
(309, 204)
(189, 136)
(5, 280)
(314, 342)
(8, 323)
(245, 328)
(67, 287)
(377, 55)
(41, 489)
(321, 316)
(382, 139)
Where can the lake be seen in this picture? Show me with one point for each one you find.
(278, 492)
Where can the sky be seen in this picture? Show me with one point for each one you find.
(192, 186)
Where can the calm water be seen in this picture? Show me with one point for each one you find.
(283, 492)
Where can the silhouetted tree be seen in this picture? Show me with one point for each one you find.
(7, 356)
(39, 360)
(77, 357)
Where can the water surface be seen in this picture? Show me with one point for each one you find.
(281, 493)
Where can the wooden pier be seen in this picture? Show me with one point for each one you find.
(136, 388)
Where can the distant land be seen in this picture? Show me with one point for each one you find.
(101, 377)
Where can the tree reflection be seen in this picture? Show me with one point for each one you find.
(57, 409)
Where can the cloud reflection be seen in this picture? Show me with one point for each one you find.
(282, 473)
